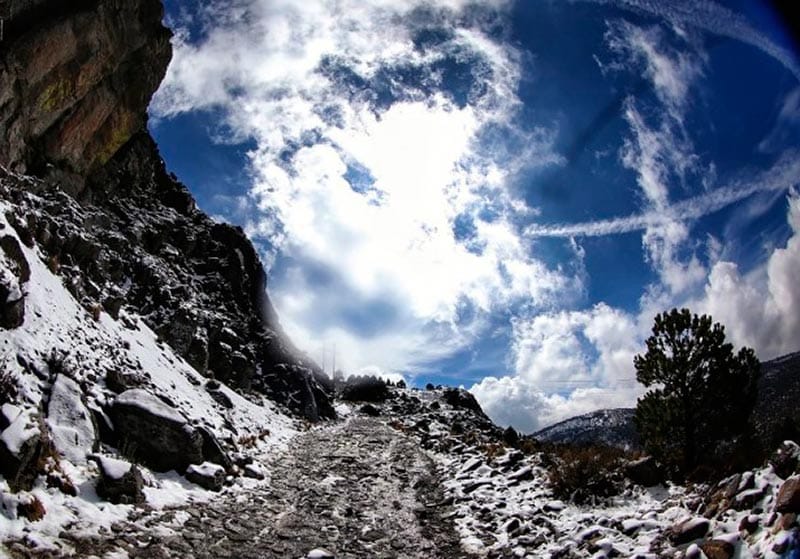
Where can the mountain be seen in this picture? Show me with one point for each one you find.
(776, 415)
(612, 427)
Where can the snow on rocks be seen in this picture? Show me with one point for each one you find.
(59, 358)
(502, 506)
(207, 475)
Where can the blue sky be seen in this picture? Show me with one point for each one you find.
(498, 194)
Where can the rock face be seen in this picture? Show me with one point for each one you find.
(75, 80)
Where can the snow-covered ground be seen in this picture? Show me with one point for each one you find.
(57, 329)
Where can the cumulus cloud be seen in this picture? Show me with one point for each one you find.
(386, 137)
(566, 363)
(760, 309)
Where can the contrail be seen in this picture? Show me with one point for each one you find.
(782, 176)
(713, 18)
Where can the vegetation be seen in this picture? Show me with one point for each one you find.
(364, 389)
(701, 393)
(582, 474)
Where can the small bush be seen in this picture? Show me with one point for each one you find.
(582, 473)
(8, 385)
(249, 441)
(54, 264)
(32, 509)
(364, 389)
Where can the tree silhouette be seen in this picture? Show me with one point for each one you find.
(702, 392)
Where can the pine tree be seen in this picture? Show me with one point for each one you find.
(702, 392)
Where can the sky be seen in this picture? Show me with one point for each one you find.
(496, 194)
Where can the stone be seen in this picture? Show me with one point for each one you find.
(461, 399)
(644, 471)
(20, 446)
(120, 482)
(785, 459)
(320, 553)
(150, 431)
(213, 451)
(688, 530)
(788, 499)
(370, 410)
(206, 475)
(14, 272)
(717, 549)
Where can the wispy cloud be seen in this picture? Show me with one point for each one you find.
(714, 18)
(781, 177)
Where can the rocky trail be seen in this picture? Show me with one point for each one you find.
(355, 489)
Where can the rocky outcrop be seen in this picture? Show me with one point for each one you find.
(75, 80)
(14, 272)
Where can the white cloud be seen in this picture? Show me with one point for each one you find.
(567, 363)
(762, 308)
(372, 169)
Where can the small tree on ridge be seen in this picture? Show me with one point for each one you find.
(702, 392)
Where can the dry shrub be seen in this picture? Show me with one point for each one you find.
(493, 450)
(32, 509)
(249, 441)
(584, 473)
(8, 385)
(53, 264)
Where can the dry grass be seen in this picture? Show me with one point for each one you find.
(33, 509)
(582, 473)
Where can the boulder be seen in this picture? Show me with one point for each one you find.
(20, 446)
(644, 471)
(688, 530)
(785, 460)
(206, 475)
(213, 451)
(370, 410)
(154, 433)
(461, 399)
(120, 482)
(717, 549)
(788, 499)
(70, 422)
(14, 271)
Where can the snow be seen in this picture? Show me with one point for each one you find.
(58, 330)
(22, 429)
(319, 554)
(113, 467)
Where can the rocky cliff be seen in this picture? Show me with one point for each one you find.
(123, 233)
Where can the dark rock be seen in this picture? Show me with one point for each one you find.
(370, 410)
(785, 460)
(120, 482)
(119, 381)
(364, 389)
(18, 462)
(218, 395)
(688, 530)
(461, 399)
(148, 430)
(213, 451)
(749, 524)
(788, 499)
(208, 476)
(14, 271)
(717, 549)
(644, 471)
(510, 436)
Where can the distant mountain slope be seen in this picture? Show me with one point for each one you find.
(776, 415)
(612, 427)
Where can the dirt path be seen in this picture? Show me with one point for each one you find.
(357, 489)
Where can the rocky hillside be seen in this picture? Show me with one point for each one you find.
(610, 427)
(75, 81)
(141, 360)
